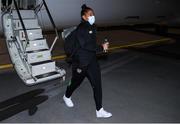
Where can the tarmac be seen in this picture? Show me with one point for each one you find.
(140, 85)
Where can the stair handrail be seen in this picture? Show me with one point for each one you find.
(22, 23)
(50, 17)
(37, 9)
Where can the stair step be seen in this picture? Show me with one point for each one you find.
(40, 63)
(40, 56)
(36, 51)
(29, 24)
(43, 68)
(47, 75)
(43, 78)
(37, 45)
(33, 34)
(25, 14)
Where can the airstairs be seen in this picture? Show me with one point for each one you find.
(28, 49)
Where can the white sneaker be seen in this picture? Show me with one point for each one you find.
(103, 114)
(68, 102)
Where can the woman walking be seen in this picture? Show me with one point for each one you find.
(84, 62)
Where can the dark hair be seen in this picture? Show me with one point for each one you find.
(85, 9)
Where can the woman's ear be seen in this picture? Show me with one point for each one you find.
(84, 18)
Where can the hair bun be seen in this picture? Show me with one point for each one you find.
(83, 6)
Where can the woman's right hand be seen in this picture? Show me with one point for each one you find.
(105, 46)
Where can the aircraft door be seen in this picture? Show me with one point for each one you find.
(5, 3)
(22, 4)
(26, 4)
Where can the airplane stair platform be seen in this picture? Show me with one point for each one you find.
(28, 49)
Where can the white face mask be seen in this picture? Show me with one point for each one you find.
(91, 20)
